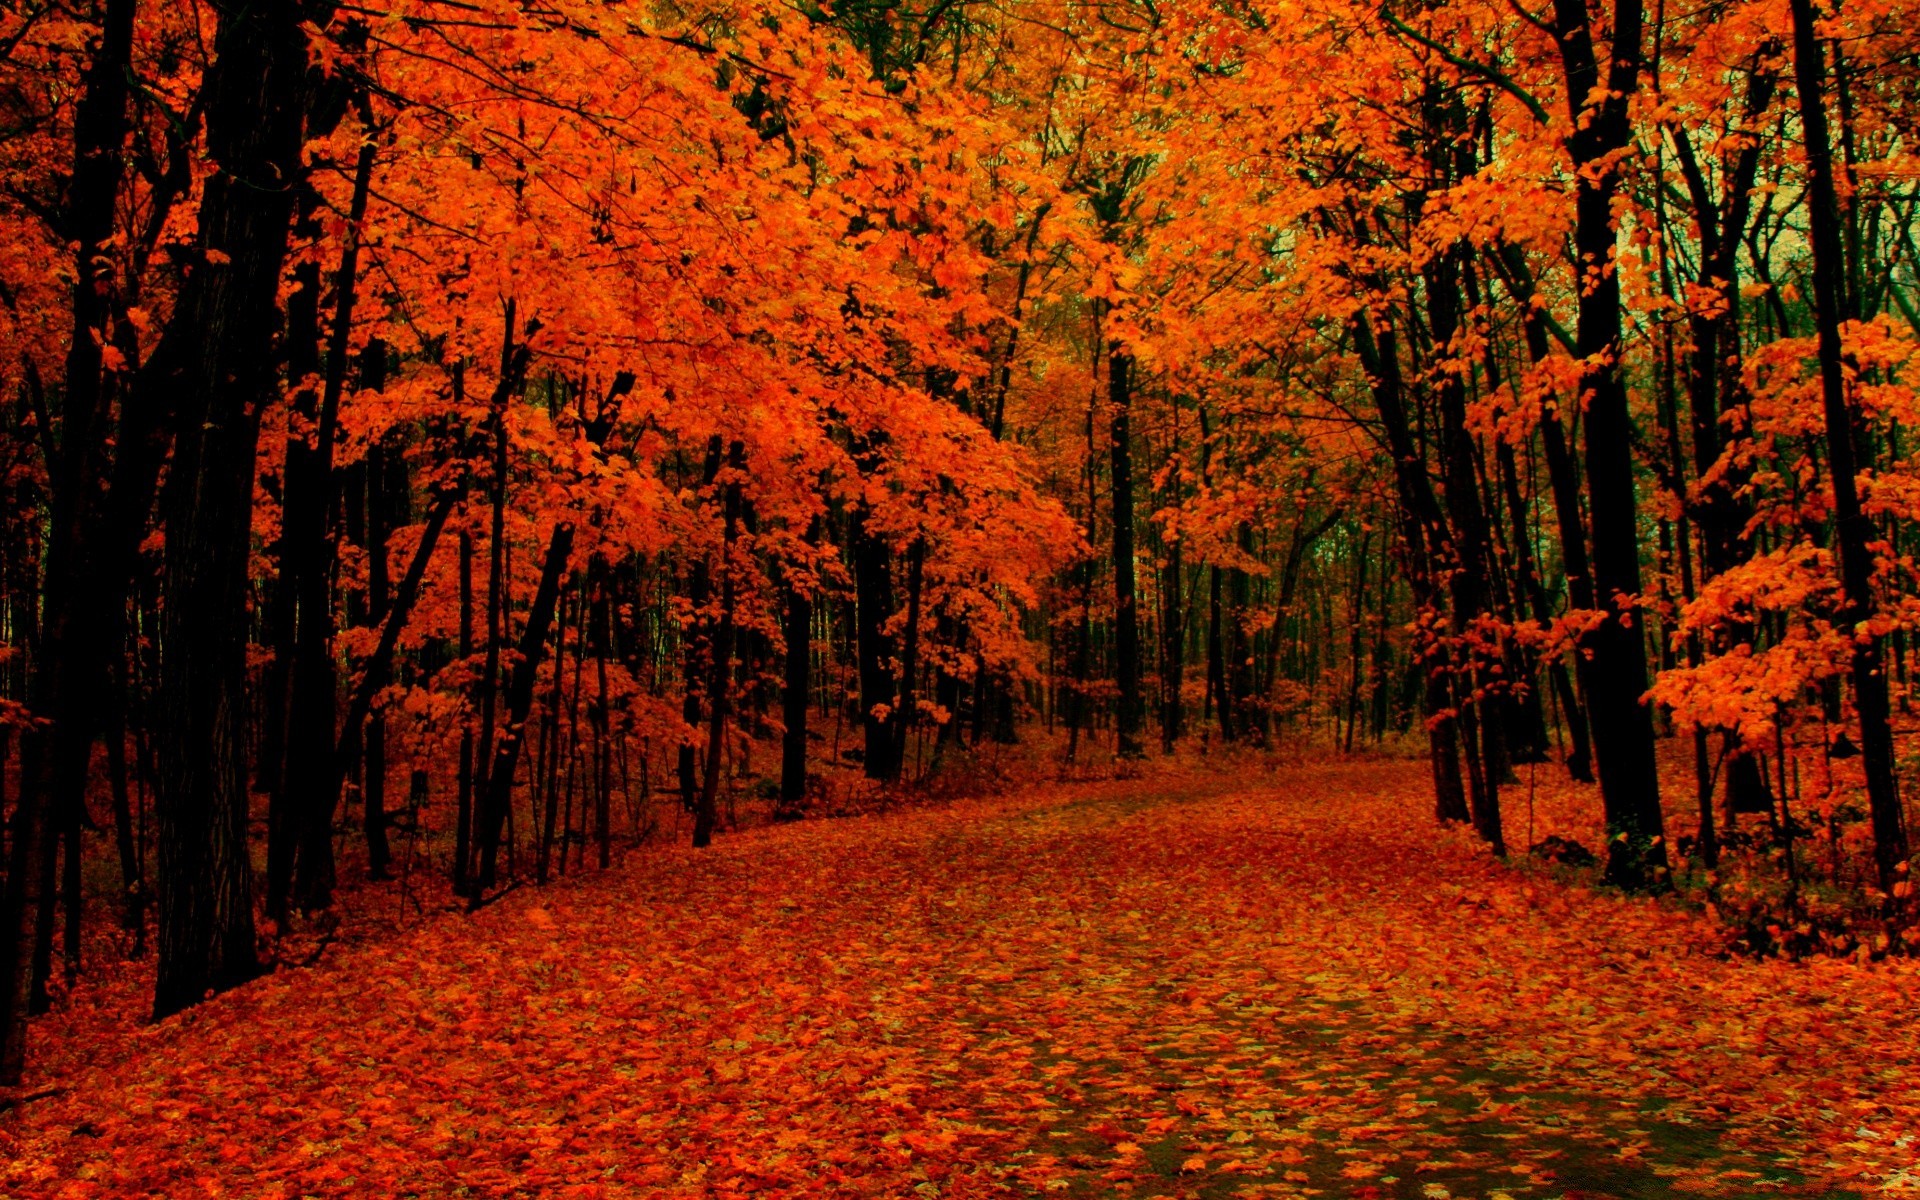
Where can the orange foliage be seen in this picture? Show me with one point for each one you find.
(1185, 981)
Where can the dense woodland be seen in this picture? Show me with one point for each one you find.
(464, 438)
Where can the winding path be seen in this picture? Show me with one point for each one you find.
(1186, 984)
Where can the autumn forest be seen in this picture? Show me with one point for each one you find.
(911, 598)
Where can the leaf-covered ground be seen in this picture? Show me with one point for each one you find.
(1185, 984)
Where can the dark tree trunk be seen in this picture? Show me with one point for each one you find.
(602, 617)
(463, 813)
(375, 674)
(1529, 592)
(1003, 383)
(1238, 643)
(873, 587)
(519, 701)
(1570, 522)
(82, 587)
(1614, 654)
(227, 311)
(133, 884)
(1077, 714)
(1714, 387)
(1469, 564)
(1216, 654)
(1423, 535)
(1126, 617)
(387, 488)
(1853, 529)
(908, 716)
(951, 636)
(489, 681)
(301, 695)
(546, 762)
(1356, 634)
(798, 632)
(300, 492)
(720, 686)
(1172, 650)
(697, 652)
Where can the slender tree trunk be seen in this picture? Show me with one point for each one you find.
(952, 635)
(601, 714)
(301, 707)
(1172, 650)
(299, 491)
(546, 760)
(1714, 387)
(1854, 531)
(873, 585)
(1570, 522)
(574, 761)
(908, 717)
(1216, 655)
(720, 689)
(1529, 591)
(1003, 383)
(1239, 650)
(1469, 549)
(793, 707)
(382, 510)
(463, 812)
(519, 701)
(1077, 714)
(698, 651)
(1423, 535)
(133, 886)
(1126, 617)
(1356, 632)
(72, 903)
(489, 683)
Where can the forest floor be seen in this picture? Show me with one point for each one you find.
(1208, 983)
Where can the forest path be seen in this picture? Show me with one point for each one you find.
(1186, 984)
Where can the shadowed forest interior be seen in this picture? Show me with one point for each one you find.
(1119, 566)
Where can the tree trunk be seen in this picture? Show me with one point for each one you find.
(1216, 655)
(1423, 533)
(308, 689)
(720, 689)
(1853, 529)
(602, 617)
(546, 760)
(133, 884)
(1172, 650)
(1469, 563)
(77, 595)
(375, 674)
(1615, 652)
(227, 311)
(519, 701)
(697, 651)
(386, 498)
(873, 586)
(1356, 634)
(798, 631)
(908, 715)
(463, 813)
(1238, 643)
(1126, 617)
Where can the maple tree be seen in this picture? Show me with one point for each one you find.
(448, 438)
